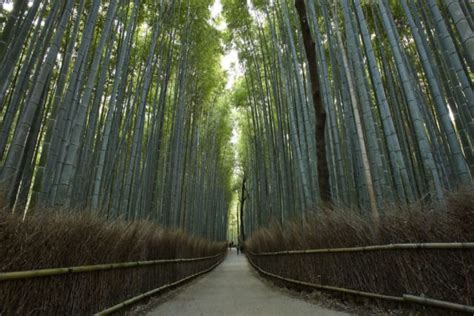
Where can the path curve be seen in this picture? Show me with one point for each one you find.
(233, 289)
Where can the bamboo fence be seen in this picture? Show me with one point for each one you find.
(405, 298)
(17, 275)
(404, 246)
(137, 298)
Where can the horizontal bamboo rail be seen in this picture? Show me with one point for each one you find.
(137, 298)
(438, 303)
(406, 298)
(405, 246)
(17, 275)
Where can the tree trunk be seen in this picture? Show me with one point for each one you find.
(242, 201)
(309, 46)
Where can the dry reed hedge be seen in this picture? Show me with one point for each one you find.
(440, 274)
(62, 241)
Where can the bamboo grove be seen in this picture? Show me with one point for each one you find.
(115, 107)
(395, 81)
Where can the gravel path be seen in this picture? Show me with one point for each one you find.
(233, 289)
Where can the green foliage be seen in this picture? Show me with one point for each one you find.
(236, 15)
(240, 94)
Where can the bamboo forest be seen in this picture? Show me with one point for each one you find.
(327, 145)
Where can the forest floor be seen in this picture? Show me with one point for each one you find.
(233, 288)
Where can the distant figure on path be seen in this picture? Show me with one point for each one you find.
(238, 249)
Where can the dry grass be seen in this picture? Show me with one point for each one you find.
(440, 274)
(61, 241)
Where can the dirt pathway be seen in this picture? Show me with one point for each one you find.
(233, 289)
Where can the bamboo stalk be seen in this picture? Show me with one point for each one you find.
(406, 298)
(438, 246)
(137, 298)
(17, 275)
